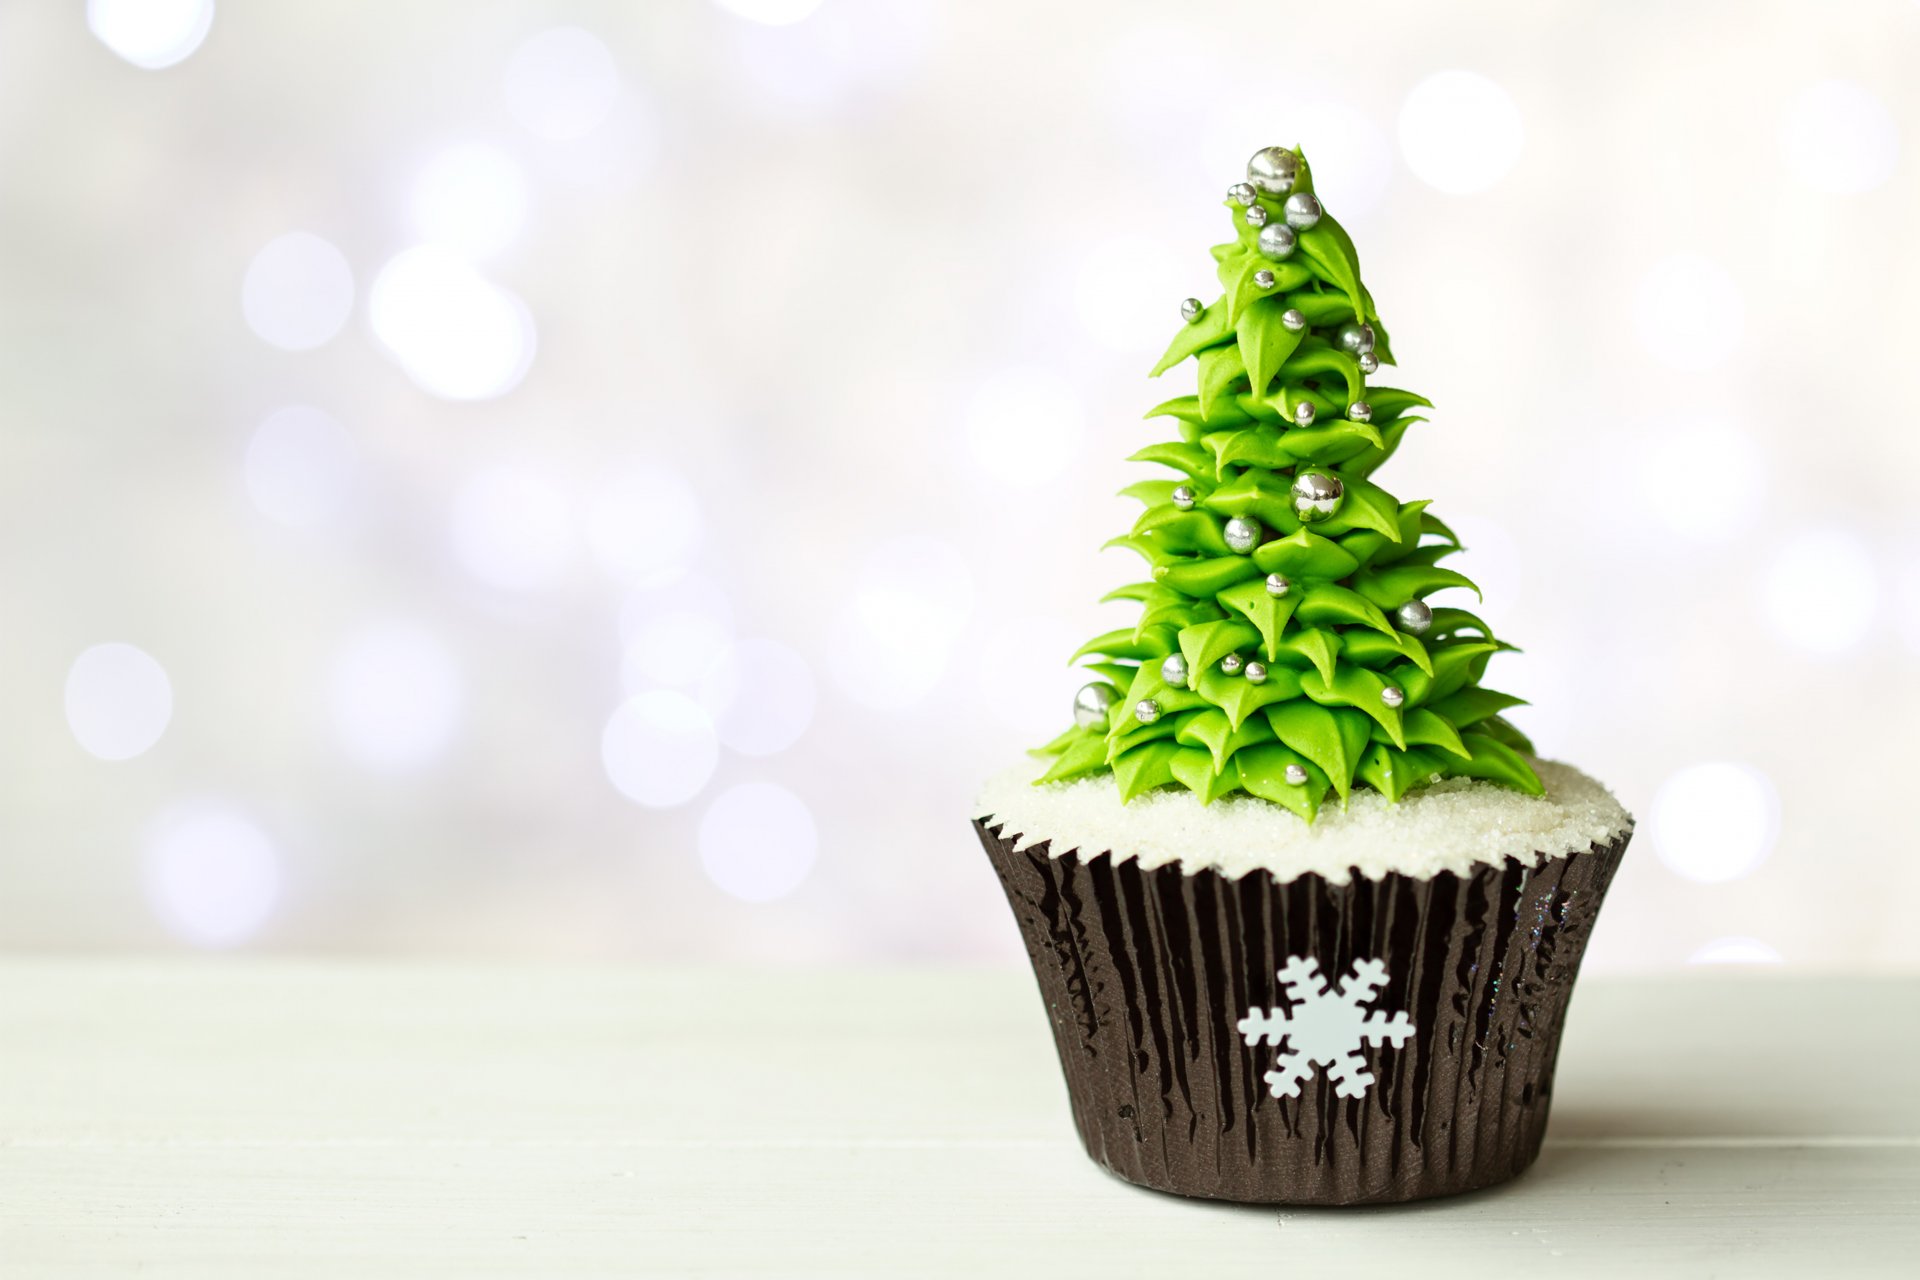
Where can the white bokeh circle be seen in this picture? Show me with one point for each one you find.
(456, 334)
(1714, 822)
(472, 197)
(396, 696)
(1822, 591)
(1460, 132)
(118, 701)
(1024, 425)
(1719, 511)
(298, 292)
(659, 748)
(895, 635)
(1021, 677)
(1906, 602)
(644, 525)
(772, 13)
(300, 468)
(1838, 137)
(761, 695)
(212, 875)
(788, 65)
(1127, 292)
(512, 527)
(758, 841)
(1146, 75)
(614, 159)
(151, 34)
(675, 636)
(561, 84)
(1734, 950)
(1689, 312)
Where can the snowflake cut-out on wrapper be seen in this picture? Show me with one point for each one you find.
(1324, 1025)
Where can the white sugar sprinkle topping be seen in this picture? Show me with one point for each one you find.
(1452, 825)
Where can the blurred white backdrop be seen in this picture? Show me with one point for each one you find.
(583, 478)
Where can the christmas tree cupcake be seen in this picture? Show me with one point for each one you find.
(1305, 909)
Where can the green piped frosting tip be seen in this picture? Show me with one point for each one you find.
(1285, 646)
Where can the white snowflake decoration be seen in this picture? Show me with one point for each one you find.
(1324, 1025)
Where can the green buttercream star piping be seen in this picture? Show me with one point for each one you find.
(1284, 645)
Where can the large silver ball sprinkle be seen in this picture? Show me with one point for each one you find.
(1256, 673)
(1184, 497)
(1257, 216)
(1146, 711)
(1241, 193)
(1360, 411)
(1392, 695)
(1303, 210)
(1243, 534)
(1369, 362)
(1303, 413)
(1296, 775)
(1273, 170)
(1263, 278)
(1277, 241)
(1316, 496)
(1191, 310)
(1174, 670)
(1231, 664)
(1277, 585)
(1414, 617)
(1292, 318)
(1091, 704)
(1355, 339)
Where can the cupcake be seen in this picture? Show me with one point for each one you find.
(1305, 908)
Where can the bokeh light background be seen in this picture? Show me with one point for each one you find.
(602, 479)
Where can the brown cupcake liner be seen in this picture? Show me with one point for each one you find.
(1155, 979)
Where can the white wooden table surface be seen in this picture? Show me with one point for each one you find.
(282, 1119)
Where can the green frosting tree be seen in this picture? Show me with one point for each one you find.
(1284, 645)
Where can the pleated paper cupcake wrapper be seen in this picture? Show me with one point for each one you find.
(1306, 1042)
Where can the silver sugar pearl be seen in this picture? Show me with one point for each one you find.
(1191, 310)
(1277, 585)
(1277, 241)
(1360, 411)
(1243, 535)
(1355, 339)
(1184, 497)
(1369, 362)
(1174, 670)
(1242, 193)
(1303, 210)
(1273, 170)
(1303, 413)
(1263, 278)
(1414, 617)
(1296, 775)
(1392, 695)
(1256, 673)
(1292, 318)
(1231, 664)
(1316, 496)
(1146, 711)
(1257, 215)
(1091, 704)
